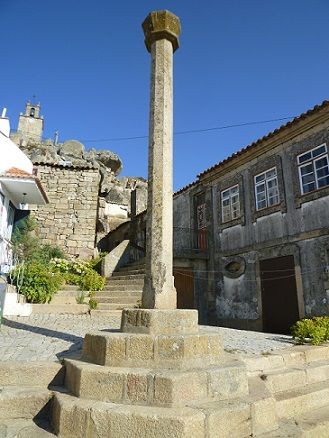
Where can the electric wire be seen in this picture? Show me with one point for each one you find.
(185, 132)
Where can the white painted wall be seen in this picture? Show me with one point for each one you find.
(116, 210)
(10, 154)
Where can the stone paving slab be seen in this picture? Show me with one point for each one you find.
(52, 337)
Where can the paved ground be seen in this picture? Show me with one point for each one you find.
(50, 337)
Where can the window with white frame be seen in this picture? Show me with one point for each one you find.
(313, 168)
(230, 202)
(266, 189)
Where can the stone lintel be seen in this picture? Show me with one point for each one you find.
(160, 25)
(159, 322)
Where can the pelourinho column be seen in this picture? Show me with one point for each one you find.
(161, 29)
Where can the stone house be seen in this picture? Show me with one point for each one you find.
(87, 199)
(262, 215)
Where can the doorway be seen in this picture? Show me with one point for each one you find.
(184, 284)
(279, 294)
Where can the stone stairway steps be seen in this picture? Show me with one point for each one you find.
(123, 289)
(130, 275)
(115, 306)
(311, 424)
(124, 299)
(73, 309)
(118, 294)
(23, 402)
(292, 403)
(68, 297)
(124, 282)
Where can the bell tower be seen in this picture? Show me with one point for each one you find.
(30, 124)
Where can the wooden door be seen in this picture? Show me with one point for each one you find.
(279, 294)
(184, 284)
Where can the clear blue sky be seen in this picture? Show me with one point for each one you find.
(239, 61)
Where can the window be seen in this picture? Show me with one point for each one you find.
(2, 209)
(10, 221)
(266, 189)
(313, 169)
(230, 204)
(32, 112)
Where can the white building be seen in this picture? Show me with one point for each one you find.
(18, 188)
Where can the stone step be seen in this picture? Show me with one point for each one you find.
(123, 281)
(23, 402)
(70, 415)
(120, 299)
(128, 276)
(312, 424)
(116, 306)
(71, 287)
(292, 403)
(290, 378)
(317, 371)
(284, 380)
(113, 294)
(69, 297)
(131, 270)
(22, 428)
(73, 309)
(36, 374)
(299, 355)
(123, 287)
(156, 388)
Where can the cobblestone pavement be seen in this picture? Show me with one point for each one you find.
(51, 337)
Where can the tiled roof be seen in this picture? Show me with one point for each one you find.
(14, 172)
(314, 110)
(17, 173)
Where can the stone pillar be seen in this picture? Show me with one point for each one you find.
(161, 30)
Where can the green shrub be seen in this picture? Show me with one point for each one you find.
(91, 281)
(70, 278)
(45, 253)
(36, 282)
(73, 267)
(96, 263)
(314, 330)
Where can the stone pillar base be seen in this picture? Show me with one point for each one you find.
(161, 375)
(156, 322)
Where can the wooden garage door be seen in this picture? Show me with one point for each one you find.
(279, 294)
(184, 284)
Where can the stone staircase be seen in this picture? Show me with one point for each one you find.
(64, 302)
(296, 381)
(122, 290)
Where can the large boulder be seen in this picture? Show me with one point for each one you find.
(72, 148)
(110, 160)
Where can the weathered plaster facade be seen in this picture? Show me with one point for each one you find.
(296, 226)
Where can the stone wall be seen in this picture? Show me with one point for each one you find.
(69, 220)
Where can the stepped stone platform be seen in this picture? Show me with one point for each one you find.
(162, 375)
